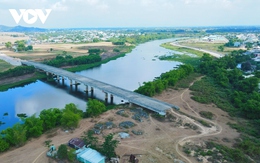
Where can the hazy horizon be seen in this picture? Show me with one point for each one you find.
(137, 13)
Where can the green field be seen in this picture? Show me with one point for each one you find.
(209, 46)
(4, 66)
(183, 57)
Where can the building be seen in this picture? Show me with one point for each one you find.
(237, 44)
(88, 155)
(76, 143)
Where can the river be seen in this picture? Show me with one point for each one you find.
(128, 72)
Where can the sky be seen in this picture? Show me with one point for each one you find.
(135, 13)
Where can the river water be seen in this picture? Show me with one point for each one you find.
(127, 72)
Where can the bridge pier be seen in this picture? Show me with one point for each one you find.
(58, 78)
(76, 85)
(62, 80)
(92, 91)
(106, 97)
(86, 91)
(70, 83)
(111, 99)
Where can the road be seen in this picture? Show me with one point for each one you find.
(11, 60)
(215, 54)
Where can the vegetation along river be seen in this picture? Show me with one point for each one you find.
(127, 72)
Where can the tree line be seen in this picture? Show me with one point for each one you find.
(141, 38)
(244, 91)
(68, 60)
(165, 80)
(17, 71)
(19, 45)
(33, 127)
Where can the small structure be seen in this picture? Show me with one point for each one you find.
(237, 44)
(126, 124)
(109, 125)
(114, 160)
(52, 151)
(88, 155)
(76, 143)
(137, 132)
(97, 131)
(133, 159)
(99, 126)
(123, 135)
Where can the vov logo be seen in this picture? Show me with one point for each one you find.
(30, 16)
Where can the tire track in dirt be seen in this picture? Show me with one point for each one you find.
(214, 130)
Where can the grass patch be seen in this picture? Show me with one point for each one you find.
(22, 83)
(5, 66)
(206, 114)
(184, 58)
(247, 127)
(229, 154)
(206, 124)
(203, 45)
(206, 91)
(185, 82)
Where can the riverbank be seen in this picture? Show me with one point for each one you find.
(186, 50)
(12, 82)
(188, 56)
(8, 83)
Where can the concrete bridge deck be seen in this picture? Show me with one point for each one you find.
(135, 98)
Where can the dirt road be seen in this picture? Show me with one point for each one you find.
(218, 55)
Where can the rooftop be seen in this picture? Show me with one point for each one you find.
(90, 155)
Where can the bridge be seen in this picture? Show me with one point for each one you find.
(135, 98)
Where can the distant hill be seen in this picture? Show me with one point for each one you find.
(21, 29)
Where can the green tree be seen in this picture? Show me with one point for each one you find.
(246, 66)
(20, 45)
(3, 145)
(109, 146)
(95, 40)
(16, 135)
(71, 116)
(221, 48)
(72, 155)
(30, 47)
(248, 85)
(51, 118)
(33, 126)
(72, 107)
(64, 53)
(95, 107)
(8, 45)
(62, 152)
(252, 109)
(70, 119)
(249, 45)
(90, 139)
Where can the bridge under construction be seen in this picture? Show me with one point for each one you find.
(76, 79)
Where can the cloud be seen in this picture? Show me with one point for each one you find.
(59, 6)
